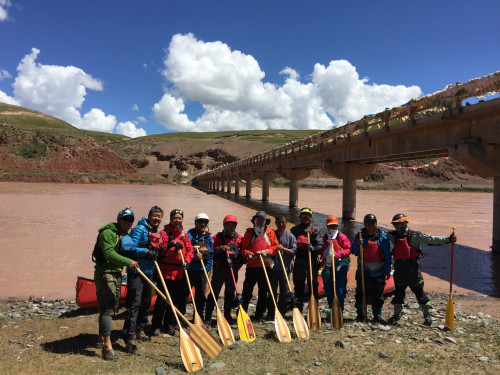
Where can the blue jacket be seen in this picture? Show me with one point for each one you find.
(383, 244)
(195, 237)
(140, 236)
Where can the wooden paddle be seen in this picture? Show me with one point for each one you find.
(190, 354)
(200, 335)
(362, 276)
(282, 330)
(449, 319)
(299, 324)
(223, 327)
(313, 317)
(196, 317)
(336, 318)
(245, 326)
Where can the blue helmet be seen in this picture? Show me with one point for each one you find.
(126, 212)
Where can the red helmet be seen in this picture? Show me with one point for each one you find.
(230, 219)
(332, 220)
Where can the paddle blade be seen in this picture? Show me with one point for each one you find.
(198, 321)
(225, 333)
(299, 324)
(245, 327)
(450, 313)
(336, 318)
(204, 339)
(282, 330)
(190, 354)
(313, 318)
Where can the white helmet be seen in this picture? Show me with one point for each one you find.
(201, 216)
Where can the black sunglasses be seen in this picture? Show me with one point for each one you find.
(128, 219)
(202, 221)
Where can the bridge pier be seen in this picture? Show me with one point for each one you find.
(248, 188)
(294, 176)
(294, 193)
(265, 189)
(349, 199)
(228, 189)
(237, 186)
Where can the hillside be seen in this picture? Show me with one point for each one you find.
(38, 147)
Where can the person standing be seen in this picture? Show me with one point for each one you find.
(406, 253)
(226, 246)
(147, 239)
(199, 236)
(259, 240)
(108, 275)
(287, 245)
(377, 267)
(304, 247)
(171, 266)
(336, 251)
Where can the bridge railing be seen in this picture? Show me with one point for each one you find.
(448, 99)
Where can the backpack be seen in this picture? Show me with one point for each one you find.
(97, 254)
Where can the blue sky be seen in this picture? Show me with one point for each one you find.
(153, 66)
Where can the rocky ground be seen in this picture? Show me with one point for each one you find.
(55, 334)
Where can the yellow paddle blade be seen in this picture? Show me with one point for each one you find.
(245, 327)
(313, 317)
(190, 354)
(299, 324)
(450, 314)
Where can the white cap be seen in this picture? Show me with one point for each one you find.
(201, 216)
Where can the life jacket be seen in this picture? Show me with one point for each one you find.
(170, 246)
(402, 248)
(154, 240)
(220, 257)
(202, 242)
(371, 252)
(258, 244)
(302, 242)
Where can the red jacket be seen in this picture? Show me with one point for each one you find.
(170, 260)
(343, 248)
(249, 246)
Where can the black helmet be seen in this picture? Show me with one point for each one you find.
(400, 218)
(369, 217)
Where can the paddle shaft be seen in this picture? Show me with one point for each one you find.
(267, 279)
(452, 258)
(284, 271)
(209, 284)
(189, 282)
(168, 294)
(362, 274)
(308, 231)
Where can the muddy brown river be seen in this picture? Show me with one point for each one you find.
(47, 231)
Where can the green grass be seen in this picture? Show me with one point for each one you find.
(32, 150)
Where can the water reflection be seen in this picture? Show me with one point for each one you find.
(474, 268)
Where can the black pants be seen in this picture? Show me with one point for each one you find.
(137, 302)
(277, 278)
(221, 275)
(199, 283)
(301, 275)
(374, 289)
(163, 316)
(255, 275)
(407, 274)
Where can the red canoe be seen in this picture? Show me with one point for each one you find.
(86, 297)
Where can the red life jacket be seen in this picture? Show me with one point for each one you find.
(302, 240)
(372, 253)
(402, 250)
(154, 239)
(258, 244)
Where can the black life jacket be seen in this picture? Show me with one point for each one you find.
(220, 258)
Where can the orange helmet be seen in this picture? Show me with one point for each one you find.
(400, 218)
(331, 220)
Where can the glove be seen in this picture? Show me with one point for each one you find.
(175, 245)
(238, 300)
(205, 254)
(310, 247)
(151, 254)
(185, 265)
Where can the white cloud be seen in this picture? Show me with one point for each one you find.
(4, 7)
(230, 86)
(142, 119)
(59, 91)
(135, 107)
(4, 74)
(129, 129)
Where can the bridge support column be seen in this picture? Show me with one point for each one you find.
(294, 193)
(294, 176)
(217, 186)
(349, 199)
(237, 186)
(228, 188)
(265, 188)
(248, 189)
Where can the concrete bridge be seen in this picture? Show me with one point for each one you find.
(433, 126)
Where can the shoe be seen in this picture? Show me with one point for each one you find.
(170, 330)
(427, 321)
(109, 355)
(230, 320)
(141, 335)
(379, 320)
(269, 318)
(131, 346)
(156, 332)
(394, 319)
(360, 318)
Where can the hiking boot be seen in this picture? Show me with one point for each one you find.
(109, 355)
(427, 313)
(359, 318)
(131, 346)
(157, 332)
(230, 320)
(170, 330)
(398, 310)
(141, 335)
(379, 320)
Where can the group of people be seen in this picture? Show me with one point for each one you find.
(176, 256)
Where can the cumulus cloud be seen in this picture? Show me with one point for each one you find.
(231, 89)
(4, 98)
(59, 91)
(4, 74)
(129, 129)
(4, 9)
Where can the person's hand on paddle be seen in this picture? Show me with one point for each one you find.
(134, 265)
(452, 237)
(337, 256)
(310, 247)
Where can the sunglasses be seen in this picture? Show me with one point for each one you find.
(202, 221)
(128, 219)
